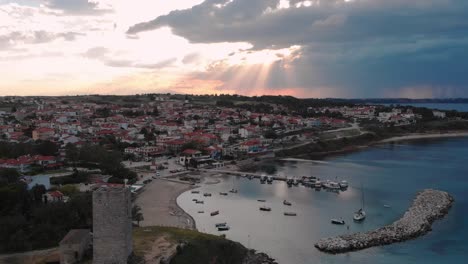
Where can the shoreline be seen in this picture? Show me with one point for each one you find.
(428, 206)
(410, 137)
(165, 211)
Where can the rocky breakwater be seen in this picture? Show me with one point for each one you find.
(428, 206)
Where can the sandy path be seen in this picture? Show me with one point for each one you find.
(159, 206)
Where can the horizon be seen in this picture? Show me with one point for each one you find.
(303, 48)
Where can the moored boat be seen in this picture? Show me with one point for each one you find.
(200, 202)
(214, 213)
(201, 212)
(287, 203)
(264, 208)
(207, 194)
(195, 191)
(261, 200)
(220, 224)
(290, 213)
(233, 191)
(344, 184)
(195, 200)
(223, 228)
(223, 193)
(337, 221)
(359, 216)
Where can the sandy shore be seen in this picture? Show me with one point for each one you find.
(158, 202)
(424, 136)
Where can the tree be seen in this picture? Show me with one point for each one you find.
(72, 153)
(137, 215)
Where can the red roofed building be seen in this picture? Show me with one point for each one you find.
(43, 133)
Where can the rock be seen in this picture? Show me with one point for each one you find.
(428, 206)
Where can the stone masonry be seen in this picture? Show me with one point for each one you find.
(112, 225)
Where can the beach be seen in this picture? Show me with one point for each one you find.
(158, 202)
(424, 136)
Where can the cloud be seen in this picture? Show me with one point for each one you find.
(34, 37)
(78, 7)
(362, 47)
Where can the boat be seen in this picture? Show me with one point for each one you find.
(223, 228)
(262, 180)
(220, 224)
(195, 200)
(344, 184)
(250, 177)
(201, 212)
(233, 191)
(318, 184)
(214, 213)
(207, 194)
(287, 203)
(337, 221)
(264, 208)
(223, 193)
(360, 215)
(261, 200)
(331, 185)
(386, 206)
(295, 182)
(290, 214)
(270, 180)
(195, 191)
(200, 202)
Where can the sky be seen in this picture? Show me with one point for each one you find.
(313, 48)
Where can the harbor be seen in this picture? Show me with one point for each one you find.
(290, 239)
(428, 206)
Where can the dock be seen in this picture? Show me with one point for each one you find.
(428, 206)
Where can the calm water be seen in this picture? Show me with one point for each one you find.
(390, 174)
(441, 106)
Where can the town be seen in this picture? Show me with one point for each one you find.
(60, 147)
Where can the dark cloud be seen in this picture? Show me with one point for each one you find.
(78, 7)
(364, 47)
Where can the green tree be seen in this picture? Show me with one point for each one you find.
(137, 215)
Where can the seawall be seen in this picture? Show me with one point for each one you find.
(428, 206)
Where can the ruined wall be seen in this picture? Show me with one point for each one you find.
(112, 225)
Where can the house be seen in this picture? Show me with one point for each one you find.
(55, 196)
(43, 133)
(438, 114)
(187, 155)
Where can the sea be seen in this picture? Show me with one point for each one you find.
(389, 174)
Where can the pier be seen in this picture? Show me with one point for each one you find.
(428, 206)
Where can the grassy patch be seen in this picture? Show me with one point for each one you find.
(201, 248)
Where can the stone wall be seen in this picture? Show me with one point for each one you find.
(112, 225)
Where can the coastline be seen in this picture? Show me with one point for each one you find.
(158, 202)
(409, 137)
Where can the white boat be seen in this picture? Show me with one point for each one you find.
(360, 215)
(344, 184)
(287, 203)
(318, 184)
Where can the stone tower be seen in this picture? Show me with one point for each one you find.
(112, 225)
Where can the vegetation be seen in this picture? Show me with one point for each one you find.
(137, 215)
(14, 150)
(200, 247)
(30, 222)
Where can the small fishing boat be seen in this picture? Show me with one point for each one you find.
(359, 216)
(220, 224)
(290, 214)
(223, 193)
(207, 194)
(223, 228)
(338, 221)
(264, 208)
(233, 191)
(201, 212)
(200, 202)
(195, 191)
(261, 200)
(270, 180)
(287, 203)
(194, 200)
(318, 184)
(214, 213)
